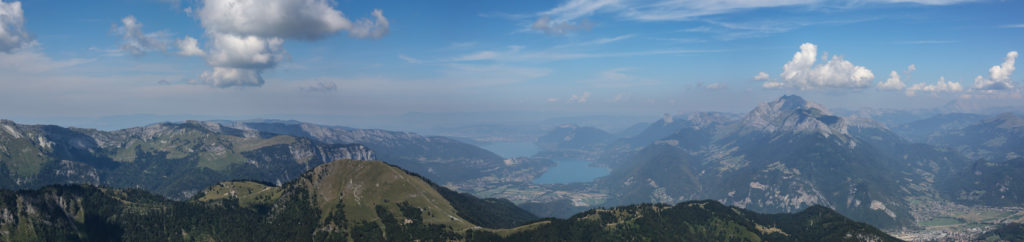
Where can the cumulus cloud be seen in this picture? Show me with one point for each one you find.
(248, 35)
(229, 77)
(293, 19)
(304, 19)
(12, 27)
(803, 73)
(248, 52)
(364, 28)
(999, 75)
(189, 47)
(941, 86)
(893, 83)
(136, 42)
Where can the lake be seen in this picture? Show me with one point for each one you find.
(512, 149)
(569, 171)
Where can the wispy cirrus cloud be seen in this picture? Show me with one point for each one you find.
(517, 53)
(926, 42)
(563, 17)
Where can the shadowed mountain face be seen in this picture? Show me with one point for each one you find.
(441, 159)
(925, 129)
(988, 183)
(784, 156)
(341, 200)
(372, 201)
(174, 160)
(998, 138)
(693, 221)
(569, 137)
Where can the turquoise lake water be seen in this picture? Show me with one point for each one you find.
(565, 171)
(569, 171)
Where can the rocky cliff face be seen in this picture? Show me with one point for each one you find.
(793, 114)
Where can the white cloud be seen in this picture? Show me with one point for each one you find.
(301, 19)
(546, 25)
(12, 27)
(365, 28)
(239, 61)
(515, 53)
(676, 10)
(248, 35)
(551, 99)
(802, 73)
(229, 77)
(574, 9)
(761, 76)
(249, 52)
(409, 59)
(1000, 75)
(583, 98)
(1013, 26)
(893, 83)
(189, 47)
(292, 19)
(941, 86)
(601, 41)
(772, 84)
(136, 42)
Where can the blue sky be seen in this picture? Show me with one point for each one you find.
(119, 57)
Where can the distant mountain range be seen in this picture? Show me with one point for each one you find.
(996, 138)
(372, 201)
(171, 159)
(988, 183)
(786, 155)
(782, 156)
(178, 159)
(439, 158)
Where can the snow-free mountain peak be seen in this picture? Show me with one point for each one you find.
(793, 114)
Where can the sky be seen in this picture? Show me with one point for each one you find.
(232, 58)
